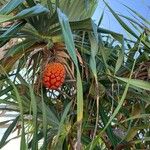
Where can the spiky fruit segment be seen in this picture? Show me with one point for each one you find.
(54, 75)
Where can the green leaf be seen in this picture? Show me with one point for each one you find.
(94, 50)
(6, 90)
(125, 26)
(44, 113)
(18, 98)
(13, 29)
(34, 110)
(120, 57)
(117, 36)
(10, 6)
(26, 13)
(139, 116)
(85, 25)
(62, 123)
(52, 120)
(8, 132)
(10, 32)
(109, 130)
(137, 14)
(71, 50)
(136, 83)
(35, 10)
(68, 38)
(78, 9)
(132, 20)
(101, 18)
(104, 56)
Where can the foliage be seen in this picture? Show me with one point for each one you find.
(104, 102)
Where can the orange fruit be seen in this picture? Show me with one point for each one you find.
(54, 75)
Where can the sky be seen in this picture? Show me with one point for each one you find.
(109, 22)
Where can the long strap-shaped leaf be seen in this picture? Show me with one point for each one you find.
(137, 14)
(125, 26)
(71, 50)
(29, 12)
(34, 109)
(10, 32)
(10, 6)
(137, 83)
(68, 38)
(8, 132)
(23, 145)
(94, 50)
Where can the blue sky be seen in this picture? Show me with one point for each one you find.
(109, 22)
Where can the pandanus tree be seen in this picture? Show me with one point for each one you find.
(73, 84)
